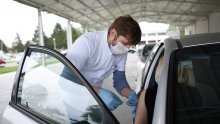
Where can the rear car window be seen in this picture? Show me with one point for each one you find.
(196, 86)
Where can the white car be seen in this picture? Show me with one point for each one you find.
(187, 92)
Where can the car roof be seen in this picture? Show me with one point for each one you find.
(191, 40)
(150, 44)
(199, 39)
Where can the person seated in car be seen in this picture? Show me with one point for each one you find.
(142, 116)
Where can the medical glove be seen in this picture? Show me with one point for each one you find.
(132, 102)
(110, 99)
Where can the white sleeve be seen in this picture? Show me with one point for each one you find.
(122, 62)
(79, 52)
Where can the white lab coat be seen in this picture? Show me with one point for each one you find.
(91, 55)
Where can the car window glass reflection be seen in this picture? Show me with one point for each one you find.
(196, 85)
(44, 89)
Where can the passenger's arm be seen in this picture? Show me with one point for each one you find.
(141, 113)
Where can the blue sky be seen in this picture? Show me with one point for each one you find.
(22, 19)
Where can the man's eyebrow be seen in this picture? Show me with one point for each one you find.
(131, 43)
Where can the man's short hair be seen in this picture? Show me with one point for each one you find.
(126, 26)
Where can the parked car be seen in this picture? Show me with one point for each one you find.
(132, 49)
(188, 90)
(18, 57)
(2, 62)
(143, 54)
(35, 56)
(41, 95)
(140, 46)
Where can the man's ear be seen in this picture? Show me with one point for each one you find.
(113, 32)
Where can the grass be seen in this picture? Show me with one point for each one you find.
(14, 68)
(9, 62)
(52, 62)
(8, 69)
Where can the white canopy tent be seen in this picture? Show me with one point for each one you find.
(99, 14)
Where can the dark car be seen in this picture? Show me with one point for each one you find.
(188, 90)
(145, 52)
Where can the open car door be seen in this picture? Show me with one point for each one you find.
(42, 94)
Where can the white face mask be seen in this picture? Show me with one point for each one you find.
(119, 48)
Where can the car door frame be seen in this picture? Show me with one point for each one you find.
(159, 116)
(160, 111)
(34, 48)
(149, 66)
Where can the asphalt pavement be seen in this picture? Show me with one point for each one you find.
(6, 83)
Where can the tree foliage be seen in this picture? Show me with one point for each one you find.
(58, 36)
(76, 33)
(35, 39)
(3, 47)
(17, 45)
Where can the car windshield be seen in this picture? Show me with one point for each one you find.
(196, 87)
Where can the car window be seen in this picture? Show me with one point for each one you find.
(196, 86)
(46, 90)
(154, 50)
(151, 90)
(147, 49)
(149, 62)
(145, 52)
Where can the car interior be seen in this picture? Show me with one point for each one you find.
(196, 88)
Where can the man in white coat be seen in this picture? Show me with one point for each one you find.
(99, 54)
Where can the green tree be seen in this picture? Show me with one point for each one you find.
(17, 45)
(59, 35)
(35, 39)
(48, 42)
(3, 47)
(76, 32)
